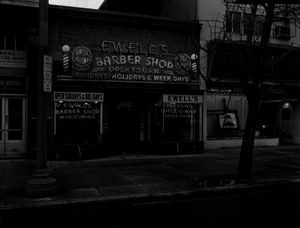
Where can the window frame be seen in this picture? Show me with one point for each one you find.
(243, 25)
(18, 41)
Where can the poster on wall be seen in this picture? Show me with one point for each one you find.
(13, 59)
(129, 62)
(228, 120)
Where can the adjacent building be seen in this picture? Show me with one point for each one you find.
(225, 27)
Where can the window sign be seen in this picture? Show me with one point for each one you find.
(77, 96)
(194, 99)
(181, 117)
(78, 116)
(11, 85)
(13, 59)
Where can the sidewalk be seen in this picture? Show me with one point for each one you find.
(126, 177)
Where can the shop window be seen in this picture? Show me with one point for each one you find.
(78, 122)
(220, 104)
(181, 119)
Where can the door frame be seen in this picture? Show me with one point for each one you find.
(4, 123)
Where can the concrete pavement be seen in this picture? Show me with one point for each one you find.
(141, 176)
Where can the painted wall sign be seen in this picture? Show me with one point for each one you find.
(121, 61)
(13, 59)
(11, 85)
(80, 97)
(173, 98)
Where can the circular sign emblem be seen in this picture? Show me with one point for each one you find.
(183, 61)
(82, 56)
(182, 64)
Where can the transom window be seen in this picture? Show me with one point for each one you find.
(12, 43)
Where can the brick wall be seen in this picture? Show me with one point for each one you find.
(91, 33)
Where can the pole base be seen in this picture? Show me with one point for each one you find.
(41, 185)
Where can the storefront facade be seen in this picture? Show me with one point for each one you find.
(17, 54)
(227, 105)
(125, 84)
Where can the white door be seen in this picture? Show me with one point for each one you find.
(12, 125)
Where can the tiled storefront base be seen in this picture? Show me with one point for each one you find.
(237, 142)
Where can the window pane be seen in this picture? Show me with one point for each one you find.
(247, 22)
(15, 115)
(228, 22)
(236, 19)
(78, 122)
(15, 135)
(20, 44)
(1, 43)
(181, 122)
(10, 43)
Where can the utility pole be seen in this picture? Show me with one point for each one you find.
(41, 96)
(41, 185)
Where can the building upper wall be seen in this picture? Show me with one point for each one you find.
(177, 9)
(212, 18)
(186, 10)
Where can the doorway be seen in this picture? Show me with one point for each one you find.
(127, 121)
(12, 126)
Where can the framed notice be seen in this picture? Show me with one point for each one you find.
(228, 120)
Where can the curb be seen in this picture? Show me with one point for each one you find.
(147, 198)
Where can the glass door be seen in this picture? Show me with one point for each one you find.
(12, 125)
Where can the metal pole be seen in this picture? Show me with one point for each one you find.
(41, 101)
